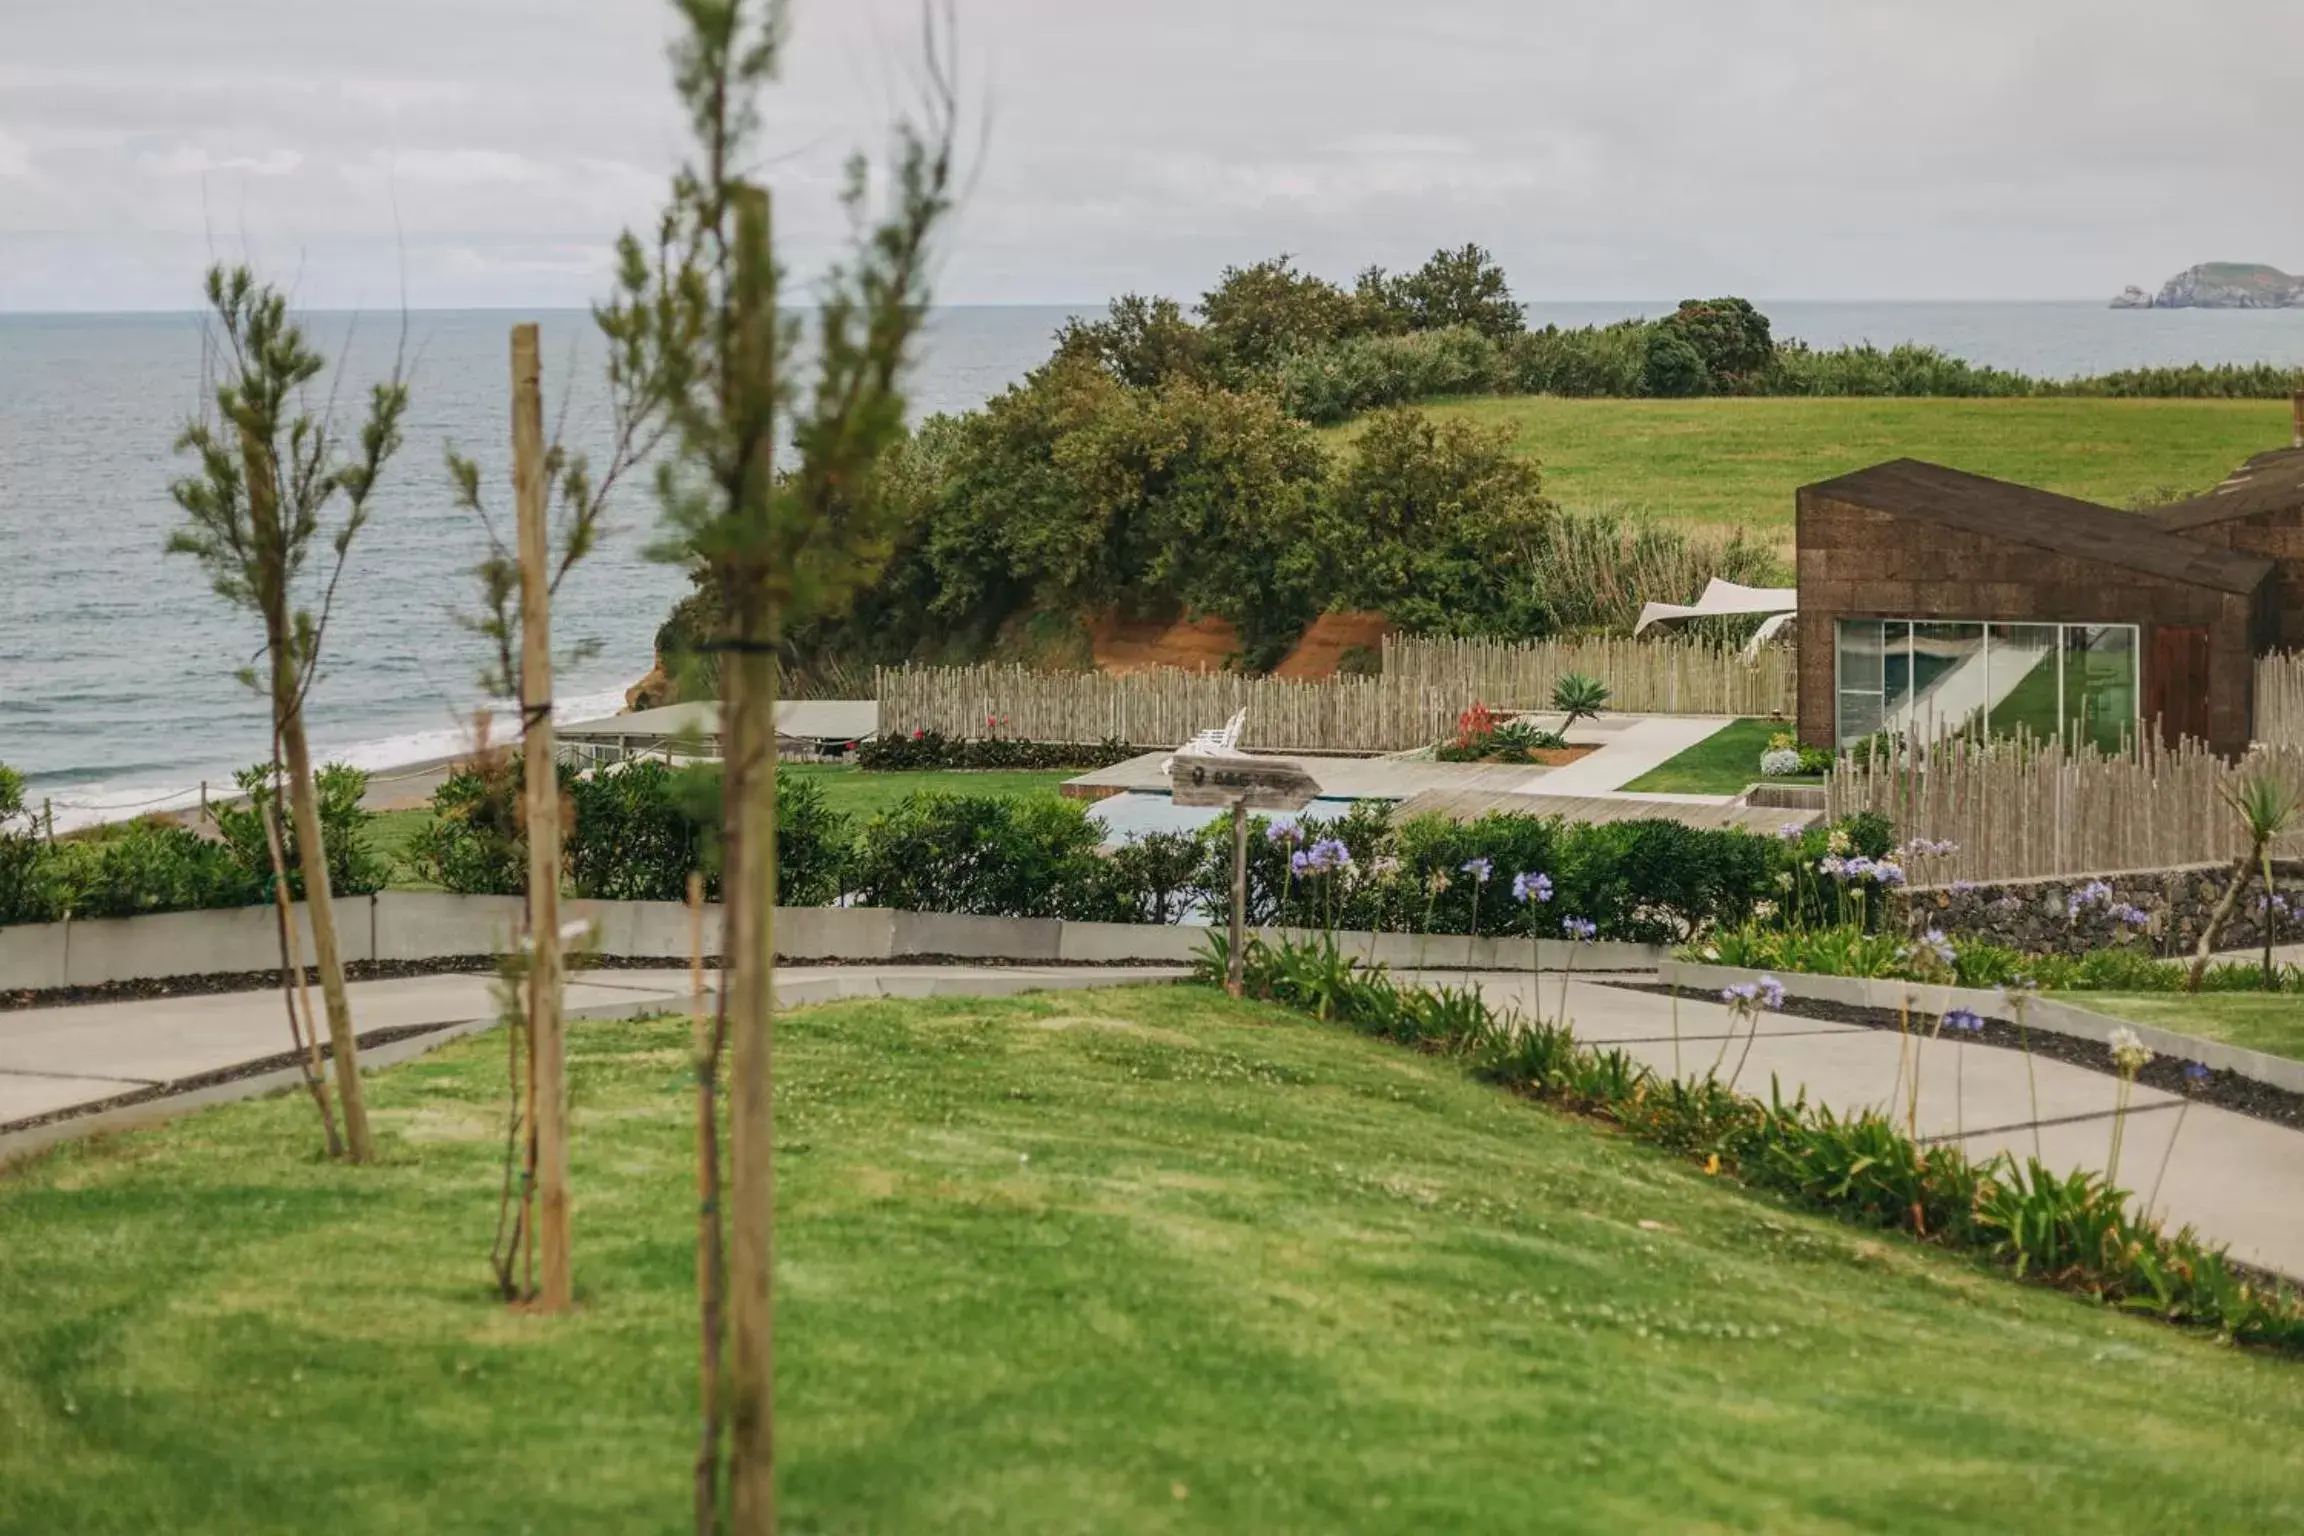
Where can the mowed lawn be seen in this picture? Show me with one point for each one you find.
(1129, 1260)
(1737, 462)
(1723, 763)
(853, 792)
(2257, 1021)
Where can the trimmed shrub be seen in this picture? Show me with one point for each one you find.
(1026, 857)
(354, 869)
(142, 867)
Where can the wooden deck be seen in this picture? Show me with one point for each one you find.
(1470, 805)
(1460, 791)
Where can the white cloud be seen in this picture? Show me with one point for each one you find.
(1854, 148)
(193, 160)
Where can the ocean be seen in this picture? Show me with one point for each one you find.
(117, 664)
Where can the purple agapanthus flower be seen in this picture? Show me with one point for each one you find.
(1888, 872)
(1283, 832)
(1330, 853)
(1530, 886)
(1581, 929)
(1300, 862)
(1771, 992)
(1791, 831)
(1962, 1021)
(1936, 944)
(1478, 869)
(2133, 917)
(2196, 1073)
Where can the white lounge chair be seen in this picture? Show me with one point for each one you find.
(1216, 742)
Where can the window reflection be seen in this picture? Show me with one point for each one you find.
(1943, 677)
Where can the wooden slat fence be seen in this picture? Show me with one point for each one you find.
(1163, 708)
(1669, 677)
(2021, 811)
(2280, 699)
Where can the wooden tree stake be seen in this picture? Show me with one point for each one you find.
(540, 779)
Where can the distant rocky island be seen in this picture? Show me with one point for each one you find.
(2220, 285)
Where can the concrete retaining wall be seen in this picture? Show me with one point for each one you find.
(2055, 1015)
(416, 926)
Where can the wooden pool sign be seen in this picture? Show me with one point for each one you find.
(1253, 783)
(1245, 784)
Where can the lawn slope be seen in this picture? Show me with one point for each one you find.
(1110, 1261)
(1737, 462)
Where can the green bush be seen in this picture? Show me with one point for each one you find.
(631, 834)
(994, 857)
(1670, 366)
(476, 843)
(354, 869)
(143, 867)
(1644, 881)
(24, 894)
(1332, 383)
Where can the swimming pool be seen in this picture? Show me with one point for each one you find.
(1131, 815)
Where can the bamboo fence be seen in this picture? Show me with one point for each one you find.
(1163, 708)
(2016, 811)
(2280, 699)
(1424, 686)
(1663, 677)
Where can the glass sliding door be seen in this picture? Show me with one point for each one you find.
(2100, 694)
(1950, 687)
(2026, 700)
(1940, 677)
(1858, 665)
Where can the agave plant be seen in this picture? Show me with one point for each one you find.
(2267, 806)
(1578, 697)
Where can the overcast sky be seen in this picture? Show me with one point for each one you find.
(1634, 149)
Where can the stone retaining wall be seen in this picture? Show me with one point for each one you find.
(2037, 915)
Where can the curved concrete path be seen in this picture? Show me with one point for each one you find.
(2238, 1181)
(66, 1056)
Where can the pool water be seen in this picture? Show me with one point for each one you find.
(1129, 816)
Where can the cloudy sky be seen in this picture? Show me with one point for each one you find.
(486, 151)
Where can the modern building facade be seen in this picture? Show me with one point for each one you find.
(1932, 600)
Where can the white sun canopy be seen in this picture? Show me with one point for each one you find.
(1726, 599)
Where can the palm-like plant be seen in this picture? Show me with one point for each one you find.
(2267, 806)
(1578, 697)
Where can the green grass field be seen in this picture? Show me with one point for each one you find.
(1737, 462)
(1721, 764)
(855, 793)
(2269, 1022)
(1133, 1260)
(391, 833)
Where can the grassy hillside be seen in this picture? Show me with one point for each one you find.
(1737, 462)
(1113, 1261)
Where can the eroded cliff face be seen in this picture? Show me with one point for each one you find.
(2220, 285)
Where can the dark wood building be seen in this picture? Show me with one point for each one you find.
(1935, 600)
(2259, 510)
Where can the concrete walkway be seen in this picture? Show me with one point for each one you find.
(60, 1058)
(2238, 1181)
(1649, 742)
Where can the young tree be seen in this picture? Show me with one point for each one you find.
(561, 507)
(269, 471)
(784, 542)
